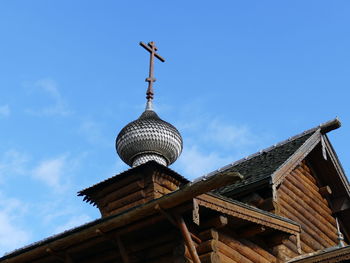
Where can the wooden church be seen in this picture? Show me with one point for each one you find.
(287, 203)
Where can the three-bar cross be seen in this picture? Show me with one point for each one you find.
(151, 48)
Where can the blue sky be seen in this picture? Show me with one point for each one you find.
(239, 76)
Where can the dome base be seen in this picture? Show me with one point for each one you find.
(144, 158)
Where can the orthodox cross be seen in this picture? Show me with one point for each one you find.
(151, 48)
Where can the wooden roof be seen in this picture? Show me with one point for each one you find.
(261, 166)
(88, 192)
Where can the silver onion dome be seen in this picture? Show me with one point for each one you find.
(149, 138)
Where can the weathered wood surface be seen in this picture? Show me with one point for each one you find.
(299, 198)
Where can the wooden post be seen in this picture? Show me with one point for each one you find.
(187, 237)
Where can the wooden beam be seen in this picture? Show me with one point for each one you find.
(188, 239)
(292, 162)
(325, 191)
(173, 221)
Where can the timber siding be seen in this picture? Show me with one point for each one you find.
(299, 198)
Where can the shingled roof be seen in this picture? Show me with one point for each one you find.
(260, 166)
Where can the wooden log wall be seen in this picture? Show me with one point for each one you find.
(219, 246)
(133, 191)
(299, 198)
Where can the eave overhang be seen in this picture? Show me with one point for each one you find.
(249, 213)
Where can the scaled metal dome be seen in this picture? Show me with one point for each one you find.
(149, 138)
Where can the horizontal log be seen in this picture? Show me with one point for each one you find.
(161, 189)
(281, 253)
(316, 217)
(241, 248)
(325, 191)
(304, 247)
(226, 259)
(310, 241)
(207, 247)
(233, 254)
(310, 217)
(309, 191)
(292, 247)
(126, 207)
(308, 226)
(314, 198)
(262, 252)
(209, 234)
(300, 174)
(307, 171)
(116, 185)
(128, 199)
(122, 192)
(209, 258)
(166, 183)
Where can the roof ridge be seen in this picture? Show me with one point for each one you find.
(324, 127)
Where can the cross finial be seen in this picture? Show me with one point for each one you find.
(340, 235)
(151, 48)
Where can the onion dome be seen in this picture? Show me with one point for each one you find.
(149, 138)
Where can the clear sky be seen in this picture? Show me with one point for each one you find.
(239, 76)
